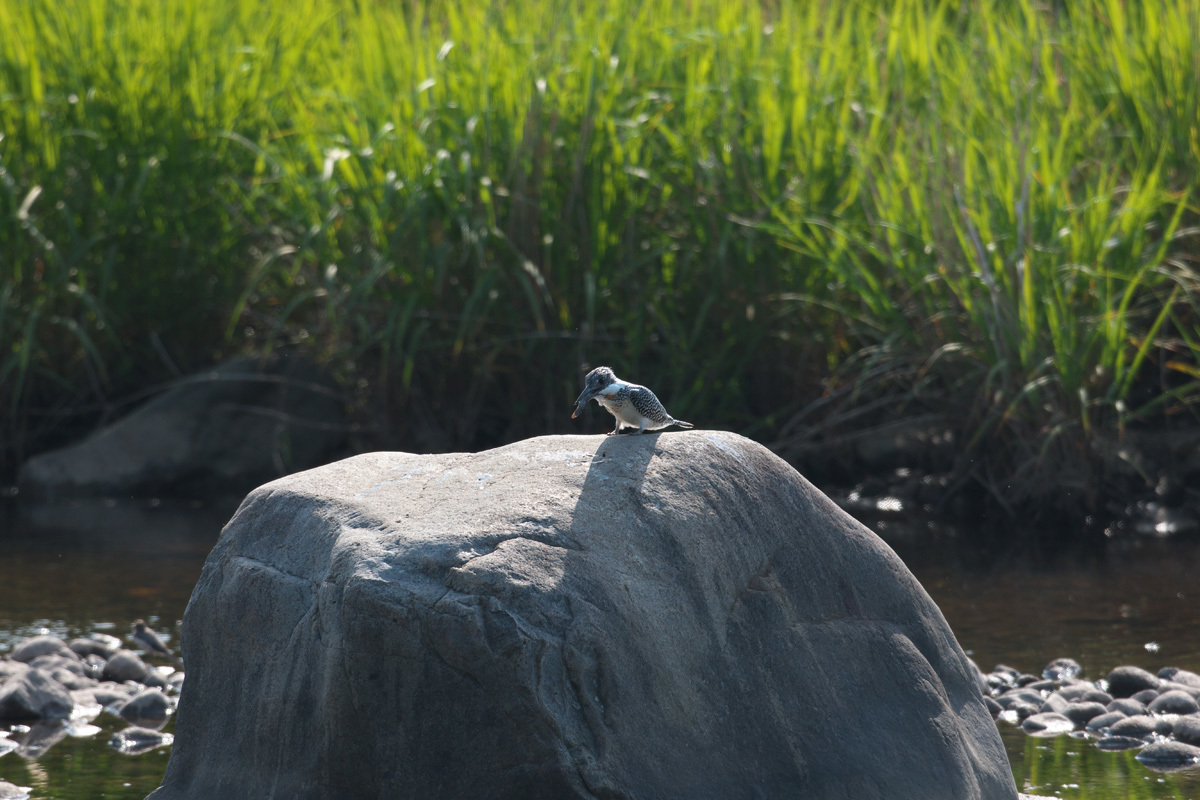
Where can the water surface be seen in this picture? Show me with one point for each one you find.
(77, 568)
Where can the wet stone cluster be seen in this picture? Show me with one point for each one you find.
(1129, 709)
(50, 690)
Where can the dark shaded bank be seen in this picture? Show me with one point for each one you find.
(238, 424)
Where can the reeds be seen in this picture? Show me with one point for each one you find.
(985, 211)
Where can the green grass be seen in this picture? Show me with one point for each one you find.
(985, 212)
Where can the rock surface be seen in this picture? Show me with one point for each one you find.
(225, 429)
(34, 695)
(659, 616)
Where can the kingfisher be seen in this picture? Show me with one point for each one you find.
(634, 406)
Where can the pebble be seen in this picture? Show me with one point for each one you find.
(1169, 756)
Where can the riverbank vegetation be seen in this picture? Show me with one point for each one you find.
(801, 221)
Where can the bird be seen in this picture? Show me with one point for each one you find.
(633, 405)
(150, 642)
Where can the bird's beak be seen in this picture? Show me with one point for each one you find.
(581, 401)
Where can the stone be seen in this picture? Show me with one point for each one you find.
(9, 669)
(1078, 691)
(1173, 702)
(125, 665)
(1145, 697)
(1172, 686)
(1128, 681)
(1061, 668)
(1127, 706)
(224, 429)
(148, 705)
(1047, 723)
(1041, 686)
(1095, 696)
(1102, 722)
(1177, 675)
(1025, 710)
(1114, 743)
(135, 741)
(1169, 756)
(34, 695)
(90, 647)
(1020, 696)
(1139, 727)
(1056, 703)
(665, 615)
(37, 646)
(1082, 713)
(112, 695)
(1187, 730)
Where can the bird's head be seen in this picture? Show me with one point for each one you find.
(596, 381)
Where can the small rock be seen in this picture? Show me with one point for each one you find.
(1024, 710)
(91, 647)
(997, 683)
(1060, 669)
(1138, 727)
(1169, 756)
(150, 705)
(1085, 693)
(94, 666)
(1042, 686)
(1103, 722)
(111, 695)
(70, 672)
(135, 741)
(1128, 681)
(1127, 706)
(30, 649)
(1187, 730)
(1076, 691)
(86, 704)
(34, 695)
(1174, 702)
(993, 707)
(1172, 686)
(1020, 696)
(1025, 679)
(125, 665)
(1082, 713)
(1055, 703)
(1003, 675)
(106, 639)
(1145, 697)
(10, 668)
(1047, 724)
(1177, 675)
(1119, 743)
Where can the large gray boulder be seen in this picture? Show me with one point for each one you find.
(661, 616)
(225, 429)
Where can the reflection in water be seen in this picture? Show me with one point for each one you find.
(77, 568)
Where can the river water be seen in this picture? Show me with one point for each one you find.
(77, 568)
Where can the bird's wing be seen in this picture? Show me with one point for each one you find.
(648, 405)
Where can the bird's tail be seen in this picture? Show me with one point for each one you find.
(682, 424)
